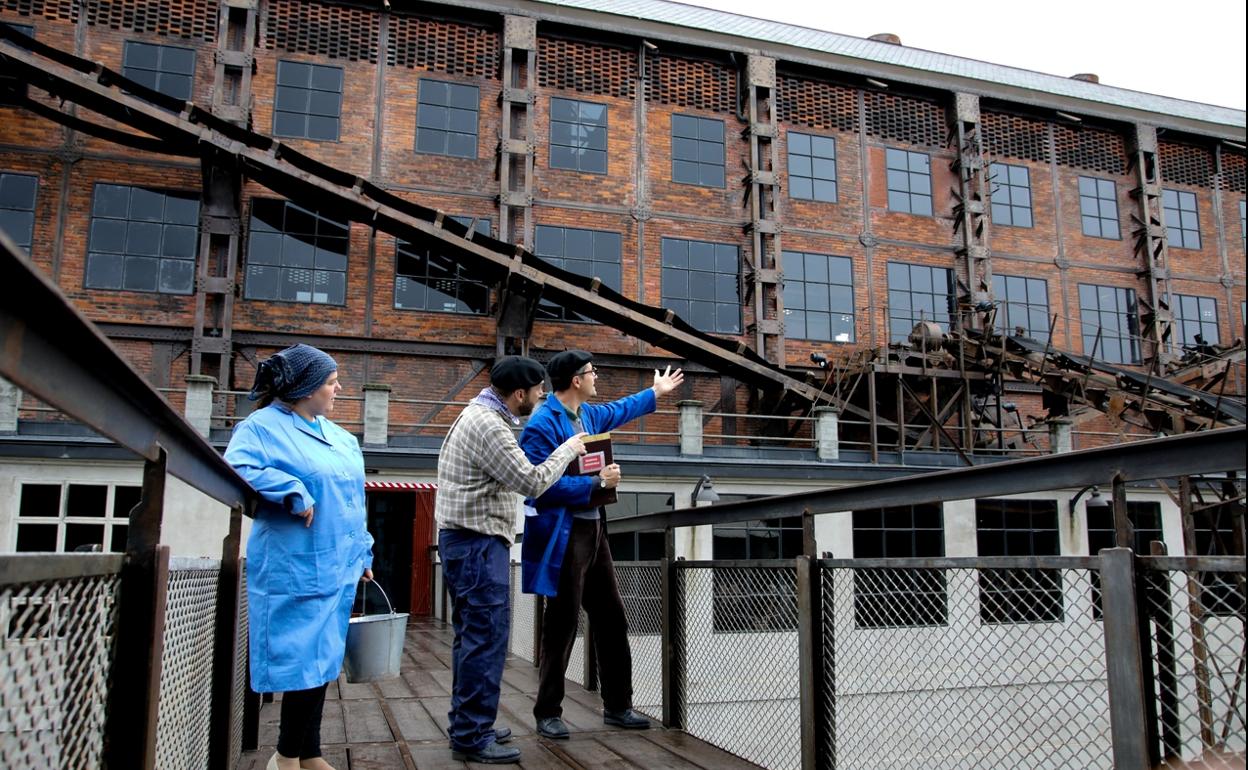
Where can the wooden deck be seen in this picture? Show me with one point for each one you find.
(401, 724)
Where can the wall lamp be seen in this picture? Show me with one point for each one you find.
(704, 491)
(819, 360)
(877, 83)
(1096, 501)
(1068, 116)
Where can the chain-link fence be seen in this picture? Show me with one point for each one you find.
(523, 609)
(641, 589)
(186, 664)
(1198, 645)
(56, 652)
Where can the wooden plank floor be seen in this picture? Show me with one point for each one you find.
(401, 724)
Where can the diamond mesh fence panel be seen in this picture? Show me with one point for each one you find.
(641, 590)
(240, 669)
(1197, 627)
(55, 655)
(186, 669)
(523, 608)
(963, 668)
(740, 667)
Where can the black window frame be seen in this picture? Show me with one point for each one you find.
(677, 260)
(905, 171)
(641, 594)
(1120, 346)
(158, 76)
(12, 210)
(285, 241)
(1011, 198)
(896, 290)
(900, 597)
(455, 274)
(755, 599)
(127, 237)
(1018, 596)
(1095, 204)
(570, 255)
(800, 161)
(1181, 213)
(1146, 525)
(581, 136)
(70, 520)
(289, 90)
(442, 108)
(698, 151)
(1186, 327)
(801, 290)
(1006, 289)
(13, 90)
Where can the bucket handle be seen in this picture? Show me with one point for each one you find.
(383, 595)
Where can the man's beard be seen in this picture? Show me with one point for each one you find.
(525, 407)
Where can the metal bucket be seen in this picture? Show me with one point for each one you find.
(375, 644)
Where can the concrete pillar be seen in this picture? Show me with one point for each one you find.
(1060, 439)
(198, 408)
(690, 427)
(376, 414)
(10, 402)
(827, 433)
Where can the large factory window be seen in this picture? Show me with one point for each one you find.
(1011, 195)
(1018, 528)
(425, 279)
(17, 207)
(909, 182)
(446, 119)
(164, 68)
(1098, 208)
(701, 283)
(589, 253)
(578, 135)
(697, 151)
(812, 167)
(818, 297)
(1110, 311)
(142, 239)
(296, 254)
(918, 293)
(892, 598)
(1182, 221)
(308, 101)
(1195, 316)
(1022, 303)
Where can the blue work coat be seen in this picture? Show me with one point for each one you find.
(301, 580)
(546, 533)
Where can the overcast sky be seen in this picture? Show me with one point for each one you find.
(1193, 49)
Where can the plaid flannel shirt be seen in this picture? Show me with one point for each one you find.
(484, 476)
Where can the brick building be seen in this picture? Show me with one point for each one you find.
(791, 191)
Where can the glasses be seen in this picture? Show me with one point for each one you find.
(591, 370)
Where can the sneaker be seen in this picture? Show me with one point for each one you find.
(627, 719)
(552, 727)
(501, 735)
(491, 754)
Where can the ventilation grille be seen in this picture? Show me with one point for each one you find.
(817, 105)
(333, 31)
(699, 85)
(1233, 172)
(1091, 148)
(189, 19)
(456, 49)
(1185, 164)
(1014, 137)
(904, 119)
(64, 10)
(587, 69)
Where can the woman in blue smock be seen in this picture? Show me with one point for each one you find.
(309, 545)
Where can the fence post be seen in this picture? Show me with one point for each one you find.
(591, 657)
(376, 414)
(1124, 668)
(134, 682)
(810, 658)
(1060, 435)
(225, 649)
(673, 637)
(690, 427)
(198, 408)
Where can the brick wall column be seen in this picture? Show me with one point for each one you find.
(198, 410)
(1060, 438)
(10, 400)
(827, 433)
(376, 414)
(690, 427)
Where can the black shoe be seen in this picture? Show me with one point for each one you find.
(627, 719)
(501, 735)
(552, 727)
(491, 754)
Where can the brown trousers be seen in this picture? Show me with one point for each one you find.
(587, 578)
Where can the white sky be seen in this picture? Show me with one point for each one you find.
(1193, 49)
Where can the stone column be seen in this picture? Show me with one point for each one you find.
(827, 433)
(1060, 439)
(198, 408)
(690, 427)
(376, 414)
(10, 402)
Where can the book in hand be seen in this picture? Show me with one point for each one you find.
(596, 458)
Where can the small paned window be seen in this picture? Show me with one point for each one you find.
(142, 239)
(1111, 311)
(755, 598)
(697, 151)
(164, 68)
(1145, 518)
(1182, 221)
(578, 135)
(308, 101)
(909, 182)
(818, 297)
(296, 254)
(918, 293)
(1195, 317)
(589, 253)
(812, 167)
(1023, 303)
(64, 517)
(446, 119)
(701, 284)
(639, 588)
(1215, 528)
(17, 207)
(1011, 195)
(427, 280)
(1018, 528)
(891, 598)
(13, 88)
(1098, 207)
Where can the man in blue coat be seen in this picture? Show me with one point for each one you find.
(565, 554)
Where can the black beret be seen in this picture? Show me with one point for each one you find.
(511, 373)
(563, 365)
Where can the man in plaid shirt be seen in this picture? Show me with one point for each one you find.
(483, 476)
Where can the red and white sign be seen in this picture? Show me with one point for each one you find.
(593, 462)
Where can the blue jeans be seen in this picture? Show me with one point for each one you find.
(477, 572)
